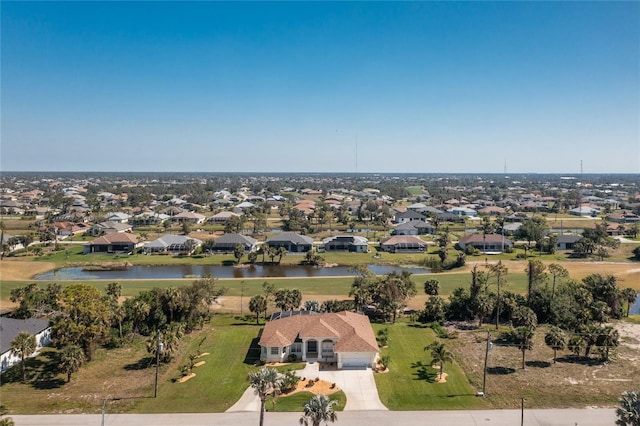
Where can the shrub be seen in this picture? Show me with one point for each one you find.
(384, 361)
(292, 358)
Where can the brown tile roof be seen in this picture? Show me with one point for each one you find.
(353, 331)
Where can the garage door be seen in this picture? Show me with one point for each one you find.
(355, 360)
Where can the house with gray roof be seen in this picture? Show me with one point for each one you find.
(226, 243)
(350, 243)
(403, 244)
(175, 244)
(11, 327)
(567, 241)
(414, 227)
(294, 243)
(408, 216)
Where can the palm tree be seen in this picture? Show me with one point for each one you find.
(264, 381)
(629, 295)
(499, 270)
(257, 305)
(628, 412)
(439, 355)
(523, 337)
(555, 339)
(71, 358)
(282, 251)
(23, 346)
(608, 338)
(319, 409)
(557, 271)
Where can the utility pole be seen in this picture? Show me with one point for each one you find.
(486, 357)
(522, 412)
(158, 350)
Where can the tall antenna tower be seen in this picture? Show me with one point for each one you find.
(505, 166)
(356, 153)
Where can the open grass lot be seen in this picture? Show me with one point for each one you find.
(410, 383)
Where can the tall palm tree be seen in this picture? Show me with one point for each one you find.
(71, 358)
(439, 355)
(499, 271)
(319, 409)
(628, 412)
(23, 346)
(629, 295)
(555, 339)
(265, 381)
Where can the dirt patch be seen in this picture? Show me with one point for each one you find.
(187, 377)
(570, 382)
(319, 387)
(16, 270)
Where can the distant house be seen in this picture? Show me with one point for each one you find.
(585, 211)
(463, 211)
(408, 216)
(149, 218)
(567, 242)
(188, 217)
(414, 227)
(118, 217)
(345, 338)
(222, 217)
(177, 244)
(11, 327)
(227, 243)
(350, 243)
(403, 244)
(294, 243)
(489, 243)
(108, 227)
(113, 243)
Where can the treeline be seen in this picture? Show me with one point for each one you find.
(84, 319)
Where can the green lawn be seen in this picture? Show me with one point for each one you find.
(296, 401)
(220, 382)
(409, 384)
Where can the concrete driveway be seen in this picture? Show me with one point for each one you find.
(358, 385)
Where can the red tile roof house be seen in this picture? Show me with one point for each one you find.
(345, 338)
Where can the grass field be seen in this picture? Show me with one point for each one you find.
(410, 383)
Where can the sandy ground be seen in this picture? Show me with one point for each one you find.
(16, 270)
(320, 387)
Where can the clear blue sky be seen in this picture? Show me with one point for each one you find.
(293, 87)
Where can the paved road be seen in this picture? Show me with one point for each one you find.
(567, 417)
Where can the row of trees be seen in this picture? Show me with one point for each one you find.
(84, 319)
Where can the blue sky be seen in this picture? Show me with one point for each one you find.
(295, 86)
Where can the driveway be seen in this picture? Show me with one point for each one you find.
(358, 385)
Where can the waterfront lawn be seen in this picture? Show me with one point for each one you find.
(410, 385)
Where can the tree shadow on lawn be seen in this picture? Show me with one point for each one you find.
(414, 325)
(538, 364)
(575, 359)
(141, 364)
(501, 370)
(42, 372)
(424, 372)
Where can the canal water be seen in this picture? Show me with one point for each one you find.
(193, 271)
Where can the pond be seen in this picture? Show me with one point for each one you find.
(635, 308)
(194, 271)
